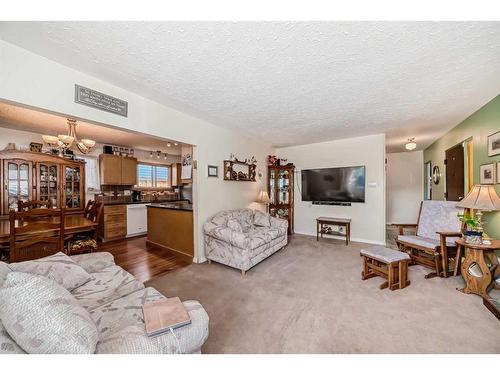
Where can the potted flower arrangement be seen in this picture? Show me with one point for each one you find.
(471, 232)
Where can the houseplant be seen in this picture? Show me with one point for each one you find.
(471, 232)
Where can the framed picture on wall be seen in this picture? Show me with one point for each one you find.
(487, 174)
(494, 144)
(213, 171)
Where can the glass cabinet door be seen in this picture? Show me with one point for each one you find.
(17, 184)
(272, 195)
(284, 187)
(47, 183)
(72, 186)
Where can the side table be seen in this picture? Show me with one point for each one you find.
(323, 222)
(478, 280)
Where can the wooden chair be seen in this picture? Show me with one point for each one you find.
(433, 245)
(46, 234)
(29, 205)
(87, 242)
(88, 208)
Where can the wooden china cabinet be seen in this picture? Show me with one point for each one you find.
(280, 189)
(39, 176)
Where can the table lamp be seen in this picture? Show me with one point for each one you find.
(263, 198)
(481, 198)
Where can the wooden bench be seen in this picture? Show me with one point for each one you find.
(387, 263)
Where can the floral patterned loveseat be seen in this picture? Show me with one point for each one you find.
(244, 237)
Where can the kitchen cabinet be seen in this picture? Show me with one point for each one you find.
(117, 170)
(129, 171)
(39, 176)
(176, 170)
(114, 222)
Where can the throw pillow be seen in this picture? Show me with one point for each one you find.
(58, 267)
(261, 219)
(233, 224)
(43, 317)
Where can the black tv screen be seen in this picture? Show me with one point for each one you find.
(345, 184)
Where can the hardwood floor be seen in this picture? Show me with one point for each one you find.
(141, 261)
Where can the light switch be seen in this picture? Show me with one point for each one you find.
(372, 184)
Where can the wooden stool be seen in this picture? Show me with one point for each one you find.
(387, 263)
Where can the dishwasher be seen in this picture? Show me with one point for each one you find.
(137, 219)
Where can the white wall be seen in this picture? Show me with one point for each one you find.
(404, 186)
(368, 219)
(35, 81)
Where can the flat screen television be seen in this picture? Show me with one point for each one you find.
(346, 184)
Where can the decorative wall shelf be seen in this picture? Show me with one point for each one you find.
(239, 171)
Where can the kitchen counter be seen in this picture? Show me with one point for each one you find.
(182, 206)
(170, 226)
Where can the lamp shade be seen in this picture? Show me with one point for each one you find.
(481, 197)
(263, 197)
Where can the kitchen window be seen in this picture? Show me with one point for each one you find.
(153, 176)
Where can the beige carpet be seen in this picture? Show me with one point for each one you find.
(309, 298)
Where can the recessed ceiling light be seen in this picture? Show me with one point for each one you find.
(411, 145)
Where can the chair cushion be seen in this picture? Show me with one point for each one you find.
(106, 285)
(43, 317)
(438, 216)
(384, 254)
(58, 267)
(429, 243)
(121, 327)
(261, 219)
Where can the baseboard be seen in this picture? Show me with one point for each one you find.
(353, 239)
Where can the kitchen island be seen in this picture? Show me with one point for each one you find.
(170, 226)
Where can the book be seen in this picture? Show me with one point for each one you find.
(160, 316)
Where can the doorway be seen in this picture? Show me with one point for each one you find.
(455, 173)
(428, 181)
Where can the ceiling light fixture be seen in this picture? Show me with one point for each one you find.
(169, 144)
(176, 144)
(70, 140)
(150, 154)
(158, 153)
(411, 145)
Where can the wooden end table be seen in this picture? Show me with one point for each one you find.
(478, 254)
(326, 221)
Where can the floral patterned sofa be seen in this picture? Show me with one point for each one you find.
(244, 237)
(114, 299)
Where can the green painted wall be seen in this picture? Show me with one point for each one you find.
(479, 126)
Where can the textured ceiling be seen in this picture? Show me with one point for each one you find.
(290, 83)
(20, 118)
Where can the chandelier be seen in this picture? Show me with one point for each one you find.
(70, 140)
